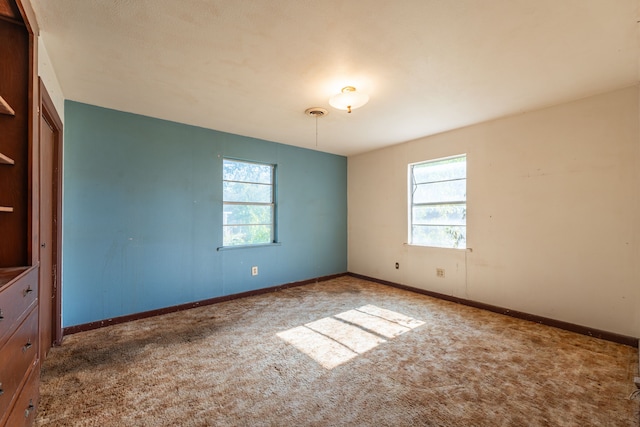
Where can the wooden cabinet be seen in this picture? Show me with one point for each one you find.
(19, 217)
(19, 363)
(18, 295)
(24, 410)
(16, 138)
(6, 160)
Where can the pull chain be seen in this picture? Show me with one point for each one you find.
(316, 113)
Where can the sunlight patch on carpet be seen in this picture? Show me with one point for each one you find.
(334, 340)
(324, 350)
(350, 336)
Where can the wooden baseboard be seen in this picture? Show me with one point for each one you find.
(584, 330)
(596, 333)
(142, 315)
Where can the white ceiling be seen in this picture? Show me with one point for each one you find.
(251, 67)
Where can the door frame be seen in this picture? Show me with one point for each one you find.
(48, 111)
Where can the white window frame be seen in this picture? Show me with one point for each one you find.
(271, 203)
(413, 186)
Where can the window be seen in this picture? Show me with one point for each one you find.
(248, 203)
(438, 203)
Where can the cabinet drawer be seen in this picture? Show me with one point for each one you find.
(17, 355)
(24, 411)
(16, 299)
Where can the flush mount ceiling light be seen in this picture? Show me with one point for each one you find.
(348, 99)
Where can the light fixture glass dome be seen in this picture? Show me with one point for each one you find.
(348, 99)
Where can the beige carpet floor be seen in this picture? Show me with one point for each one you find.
(344, 352)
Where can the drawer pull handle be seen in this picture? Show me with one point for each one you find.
(27, 346)
(29, 409)
(27, 291)
(1, 315)
(1, 390)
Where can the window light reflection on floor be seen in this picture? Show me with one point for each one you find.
(334, 340)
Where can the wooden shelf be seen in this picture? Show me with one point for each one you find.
(4, 160)
(6, 209)
(5, 108)
(10, 273)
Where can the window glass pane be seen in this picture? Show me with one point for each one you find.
(241, 192)
(248, 203)
(439, 215)
(454, 168)
(247, 214)
(247, 172)
(247, 234)
(439, 236)
(448, 191)
(438, 202)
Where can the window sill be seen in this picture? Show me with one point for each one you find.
(413, 245)
(262, 245)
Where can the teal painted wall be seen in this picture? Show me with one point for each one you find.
(143, 213)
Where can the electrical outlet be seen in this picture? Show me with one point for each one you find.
(440, 272)
(397, 266)
(254, 270)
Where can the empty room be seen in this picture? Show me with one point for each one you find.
(274, 213)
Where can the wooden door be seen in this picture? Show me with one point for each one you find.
(50, 209)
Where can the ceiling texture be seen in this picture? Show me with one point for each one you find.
(252, 67)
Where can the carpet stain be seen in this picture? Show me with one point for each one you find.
(225, 365)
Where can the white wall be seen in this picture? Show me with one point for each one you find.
(553, 213)
(49, 78)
